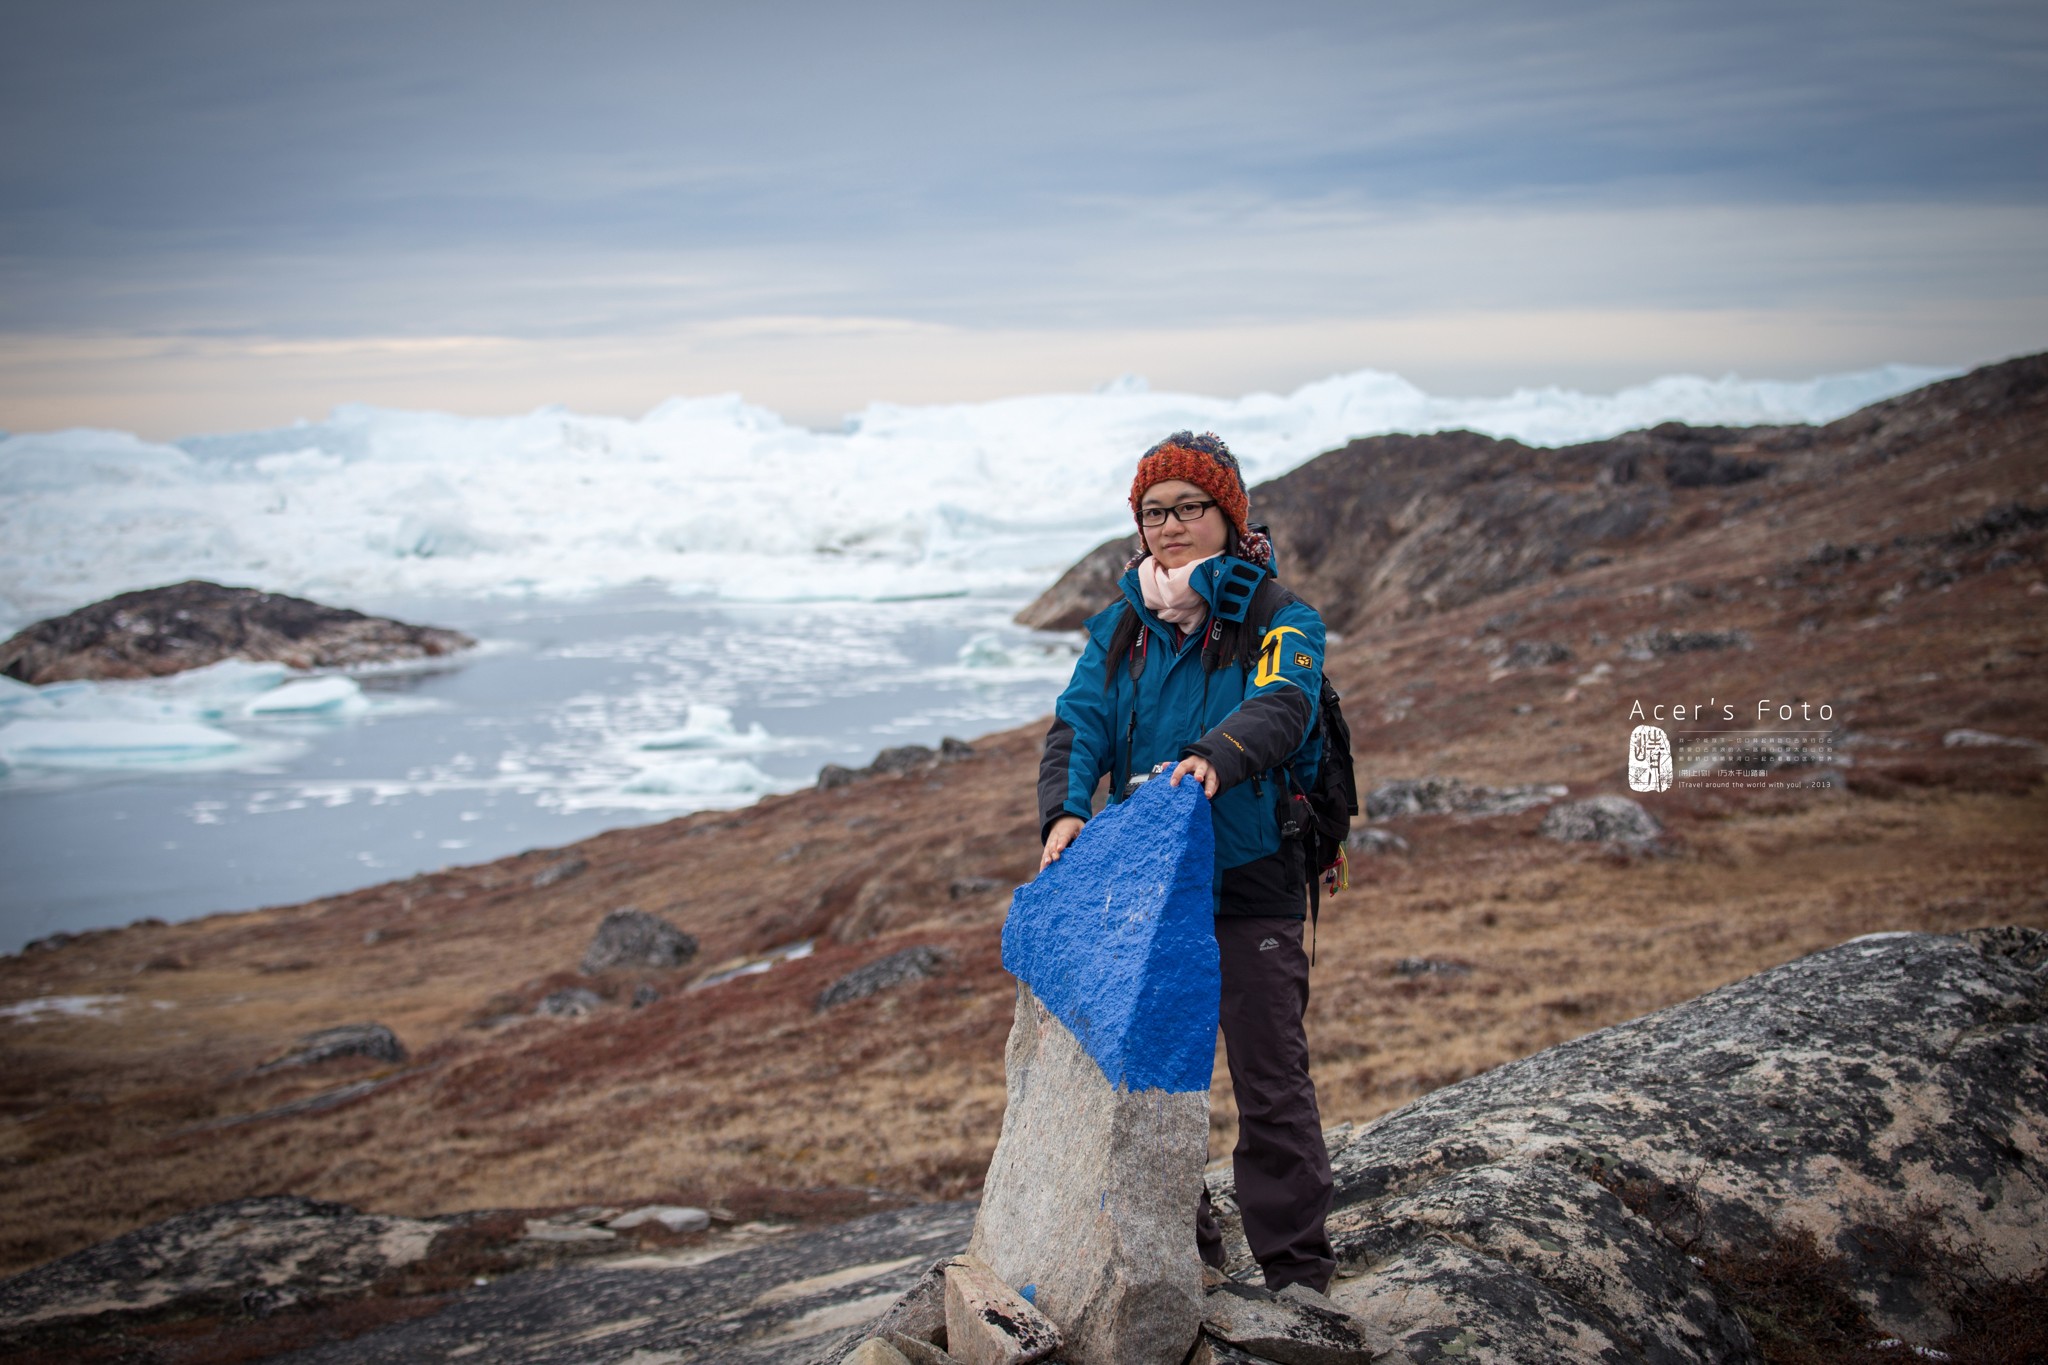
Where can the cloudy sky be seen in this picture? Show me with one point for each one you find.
(234, 213)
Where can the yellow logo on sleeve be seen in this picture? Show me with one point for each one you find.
(1269, 655)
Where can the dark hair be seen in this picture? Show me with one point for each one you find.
(1225, 643)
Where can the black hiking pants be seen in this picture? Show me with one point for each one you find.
(1281, 1167)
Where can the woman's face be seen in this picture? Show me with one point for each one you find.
(1183, 542)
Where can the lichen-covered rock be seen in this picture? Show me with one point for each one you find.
(373, 1041)
(247, 1254)
(1287, 1331)
(1436, 795)
(897, 969)
(1603, 819)
(1551, 1209)
(630, 937)
(572, 1002)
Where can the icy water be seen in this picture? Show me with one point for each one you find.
(573, 717)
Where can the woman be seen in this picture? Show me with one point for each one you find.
(1208, 663)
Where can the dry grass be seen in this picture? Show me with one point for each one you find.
(744, 1089)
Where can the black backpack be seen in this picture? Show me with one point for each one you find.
(1318, 820)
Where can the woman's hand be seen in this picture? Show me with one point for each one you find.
(1201, 771)
(1063, 831)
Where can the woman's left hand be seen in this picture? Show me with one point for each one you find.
(1201, 771)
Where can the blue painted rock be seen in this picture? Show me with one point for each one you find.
(1092, 1191)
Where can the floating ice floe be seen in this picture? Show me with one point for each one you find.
(991, 657)
(112, 744)
(710, 727)
(177, 722)
(330, 696)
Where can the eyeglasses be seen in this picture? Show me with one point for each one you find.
(1186, 511)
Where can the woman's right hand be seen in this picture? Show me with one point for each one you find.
(1056, 840)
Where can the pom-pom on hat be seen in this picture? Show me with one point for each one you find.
(1203, 461)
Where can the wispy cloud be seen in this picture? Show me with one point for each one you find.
(263, 172)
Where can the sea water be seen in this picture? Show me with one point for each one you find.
(619, 708)
(683, 610)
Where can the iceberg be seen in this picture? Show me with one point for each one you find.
(110, 743)
(330, 696)
(713, 495)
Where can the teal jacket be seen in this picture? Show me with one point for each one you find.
(1250, 723)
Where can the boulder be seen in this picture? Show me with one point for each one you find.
(348, 1040)
(674, 1217)
(875, 1351)
(1300, 1329)
(989, 1323)
(1090, 1197)
(1376, 843)
(1436, 795)
(920, 1313)
(572, 1003)
(1651, 644)
(630, 937)
(1600, 1200)
(918, 1352)
(561, 871)
(1533, 654)
(1605, 819)
(1083, 589)
(1973, 739)
(248, 1256)
(897, 969)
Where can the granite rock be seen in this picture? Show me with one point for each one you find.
(630, 937)
(1552, 1208)
(1091, 1194)
(988, 1322)
(1603, 819)
(1289, 1330)
(373, 1041)
(897, 969)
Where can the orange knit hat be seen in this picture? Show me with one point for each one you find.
(1203, 461)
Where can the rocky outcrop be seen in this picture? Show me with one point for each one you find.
(1394, 527)
(630, 937)
(1436, 795)
(373, 1041)
(900, 761)
(1570, 1206)
(989, 1323)
(1090, 1197)
(1617, 1198)
(897, 969)
(158, 631)
(251, 1256)
(1083, 590)
(1601, 819)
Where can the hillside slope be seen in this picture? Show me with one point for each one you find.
(1890, 566)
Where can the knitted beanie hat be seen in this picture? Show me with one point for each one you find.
(1207, 463)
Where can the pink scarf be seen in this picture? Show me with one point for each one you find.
(1170, 596)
